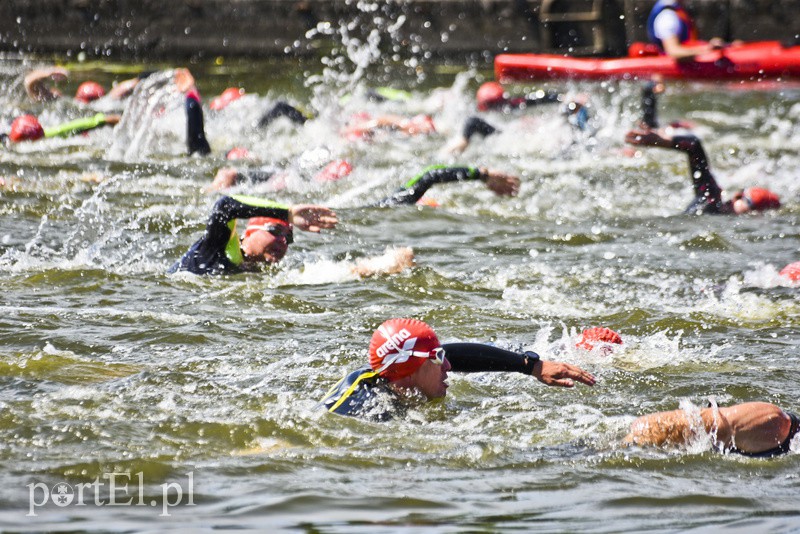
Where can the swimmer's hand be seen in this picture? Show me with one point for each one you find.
(35, 83)
(561, 374)
(393, 261)
(183, 80)
(501, 183)
(646, 137)
(112, 119)
(312, 218)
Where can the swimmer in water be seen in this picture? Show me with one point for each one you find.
(491, 96)
(406, 361)
(38, 86)
(708, 194)
(756, 429)
(266, 239)
(413, 190)
(28, 128)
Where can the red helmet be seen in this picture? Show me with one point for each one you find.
(490, 94)
(761, 199)
(228, 95)
(400, 346)
(792, 271)
(598, 335)
(89, 91)
(26, 128)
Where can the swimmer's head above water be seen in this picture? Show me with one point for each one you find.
(408, 354)
(266, 240)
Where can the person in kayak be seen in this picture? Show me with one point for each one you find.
(756, 429)
(407, 363)
(672, 29)
(708, 194)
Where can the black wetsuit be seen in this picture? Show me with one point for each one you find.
(282, 109)
(476, 125)
(649, 113)
(708, 195)
(195, 132)
(363, 393)
(258, 175)
(218, 252)
(415, 188)
(783, 448)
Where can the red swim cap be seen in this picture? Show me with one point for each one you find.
(761, 199)
(89, 91)
(26, 128)
(400, 346)
(228, 95)
(263, 223)
(238, 152)
(792, 271)
(489, 94)
(335, 170)
(597, 335)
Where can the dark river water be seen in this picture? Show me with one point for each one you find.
(207, 385)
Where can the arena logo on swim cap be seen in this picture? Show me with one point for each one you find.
(392, 343)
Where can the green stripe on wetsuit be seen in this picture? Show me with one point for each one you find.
(260, 202)
(76, 126)
(473, 174)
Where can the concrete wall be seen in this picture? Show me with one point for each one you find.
(174, 29)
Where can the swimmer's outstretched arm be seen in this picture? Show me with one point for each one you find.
(751, 427)
(476, 357)
(649, 102)
(414, 189)
(82, 125)
(473, 126)
(195, 131)
(282, 109)
(703, 182)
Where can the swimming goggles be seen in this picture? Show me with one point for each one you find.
(280, 230)
(436, 355)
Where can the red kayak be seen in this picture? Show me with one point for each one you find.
(749, 61)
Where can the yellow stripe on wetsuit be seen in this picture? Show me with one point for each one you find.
(350, 390)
